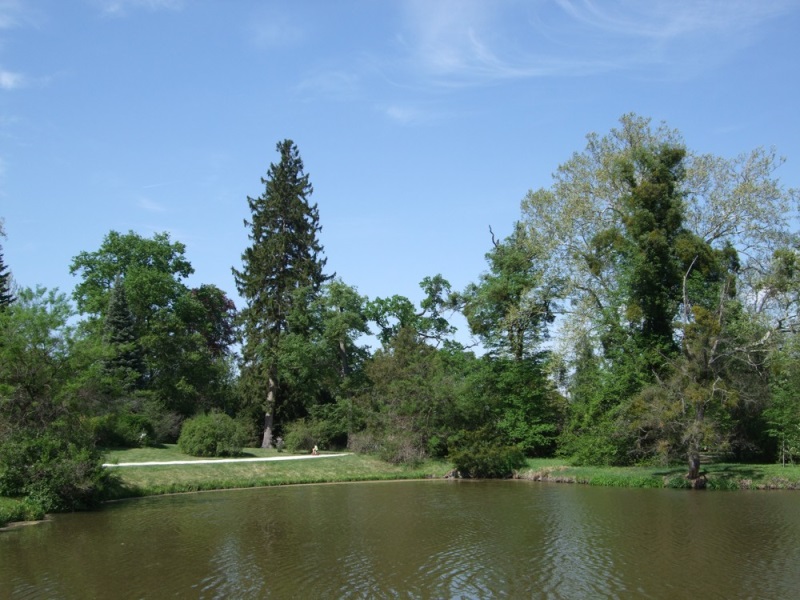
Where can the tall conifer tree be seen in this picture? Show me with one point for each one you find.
(6, 297)
(127, 363)
(281, 274)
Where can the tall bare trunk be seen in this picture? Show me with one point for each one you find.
(695, 442)
(694, 465)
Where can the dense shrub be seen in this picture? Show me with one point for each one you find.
(213, 434)
(395, 447)
(479, 455)
(329, 424)
(122, 430)
(297, 436)
(165, 424)
(325, 428)
(57, 469)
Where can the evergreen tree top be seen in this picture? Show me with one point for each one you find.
(6, 295)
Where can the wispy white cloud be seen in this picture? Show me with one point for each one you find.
(13, 14)
(8, 12)
(121, 8)
(660, 19)
(472, 42)
(275, 29)
(332, 84)
(160, 184)
(402, 114)
(415, 113)
(10, 80)
(150, 205)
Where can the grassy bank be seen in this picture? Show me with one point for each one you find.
(141, 481)
(14, 510)
(152, 480)
(722, 476)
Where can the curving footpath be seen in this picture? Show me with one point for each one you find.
(220, 460)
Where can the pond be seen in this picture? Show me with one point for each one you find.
(423, 539)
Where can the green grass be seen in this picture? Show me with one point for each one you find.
(15, 509)
(153, 480)
(722, 476)
(169, 452)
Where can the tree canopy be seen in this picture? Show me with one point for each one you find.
(645, 308)
(281, 275)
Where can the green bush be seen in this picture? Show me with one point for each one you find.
(329, 424)
(397, 448)
(57, 469)
(213, 434)
(297, 436)
(479, 455)
(122, 430)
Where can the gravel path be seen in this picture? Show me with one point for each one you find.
(219, 460)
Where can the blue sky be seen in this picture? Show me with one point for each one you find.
(421, 123)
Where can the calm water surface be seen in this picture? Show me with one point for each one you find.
(433, 539)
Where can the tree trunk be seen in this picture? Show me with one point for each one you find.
(695, 443)
(266, 442)
(694, 465)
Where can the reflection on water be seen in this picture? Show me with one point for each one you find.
(433, 539)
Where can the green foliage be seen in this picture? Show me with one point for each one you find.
(151, 268)
(412, 397)
(281, 276)
(782, 414)
(614, 480)
(14, 509)
(331, 423)
(122, 430)
(514, 302)
(479, 454)
(398, 312)
(57, 469)
(213, 434)
(6, 294)
(298, 436)
(34, 357)
(679, 269)
(46, 454)
(163, 338)
(126, 362)
(519, 403)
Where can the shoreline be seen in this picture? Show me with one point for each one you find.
(155, 478)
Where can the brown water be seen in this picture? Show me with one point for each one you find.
(433, 539)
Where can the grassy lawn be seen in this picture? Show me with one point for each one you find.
(139, 481)
(169, 452)
(150, 480)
